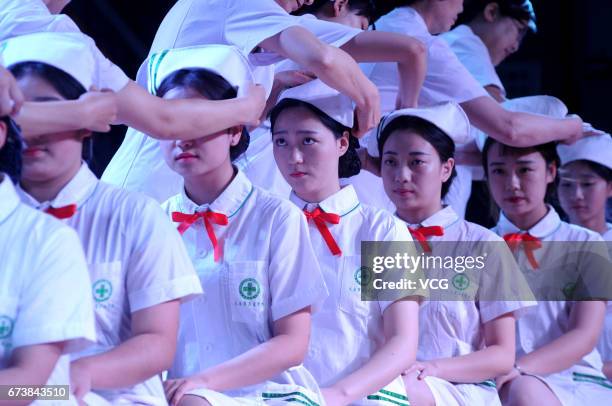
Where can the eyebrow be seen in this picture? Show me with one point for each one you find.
(518, 162)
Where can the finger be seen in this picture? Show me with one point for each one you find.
(170, 388)
(180, 392)
(5, 102)
(17, 97)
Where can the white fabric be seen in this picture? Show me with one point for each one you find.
(136, 260)
(70, 52)
(605, 341)
(347, 331)
(550, 319)
(596, 148)
(463, 394)
(226, 61)
(41, 261)
(446, 79)
(447, 116)
(138, 165)
(474, 55)
(331, 102)
(22, 17)
(262, 277)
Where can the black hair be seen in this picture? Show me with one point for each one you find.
(602, 171)
(439, 140)
(548, 152)
(520, 10)
(349, 163)
(209, 85)
(370, 9)
(11, 151)
(63, 83)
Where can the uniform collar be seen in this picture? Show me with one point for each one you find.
(229, 202)
(418, 27)
(443, 218)
(341, 203)
(9, 200)
(77, 191)
(545, 227)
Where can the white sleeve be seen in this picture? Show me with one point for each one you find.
(159, 269)
(56, 303)
(295, 278)
(250, 22)
(474, 55)
(110, 76)
(21, 17)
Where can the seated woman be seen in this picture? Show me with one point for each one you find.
(41, 258)
(137, 263)
(358, 348)
(244, 342)
(584, 188)
(466, 333)
(557, 362)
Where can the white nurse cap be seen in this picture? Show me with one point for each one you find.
(333, 103)
(226, 61)
(448, 117)
(70, 52)
(543, 105)
(596, 148)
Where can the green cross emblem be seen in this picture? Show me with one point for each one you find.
(6, 326)
(249, 289)
(568, 290)
(102, 290)
(461, 282)
(363, 275)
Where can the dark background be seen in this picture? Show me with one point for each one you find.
(570, 57)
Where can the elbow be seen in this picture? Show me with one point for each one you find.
(507, 132)
(417, 51)
(322, 61)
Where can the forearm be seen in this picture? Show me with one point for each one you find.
(254, 366)
(531, 129)
(16, 376)
(181, 119)
(607, 369)
(134, 361)
(409, 53)
(558, 355)
(477, 366)
(38, 118)
(385, 365)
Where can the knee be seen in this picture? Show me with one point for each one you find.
(418, 392)
(192, 400)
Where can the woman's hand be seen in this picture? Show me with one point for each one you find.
(424, 369)
(99, 110)
(504, 379)
(80, 380)
(11, 97)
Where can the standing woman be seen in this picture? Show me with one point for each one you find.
(137, 263)
(491, 31)
(358, 348)
(584, 189)
(41, 258)
(244, 342)
(557, 362)
(466, 335)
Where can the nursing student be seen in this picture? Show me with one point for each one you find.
(492, 31)
(266, 32)
(358, 348)
(466, 334)
(448, 79)
(258, 161)
(40, 326)
(133, 105)
(244, 342)
(137, 263)
(584, 188)
(557, 362)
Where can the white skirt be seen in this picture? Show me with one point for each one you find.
(463, 394)
(579, 386)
